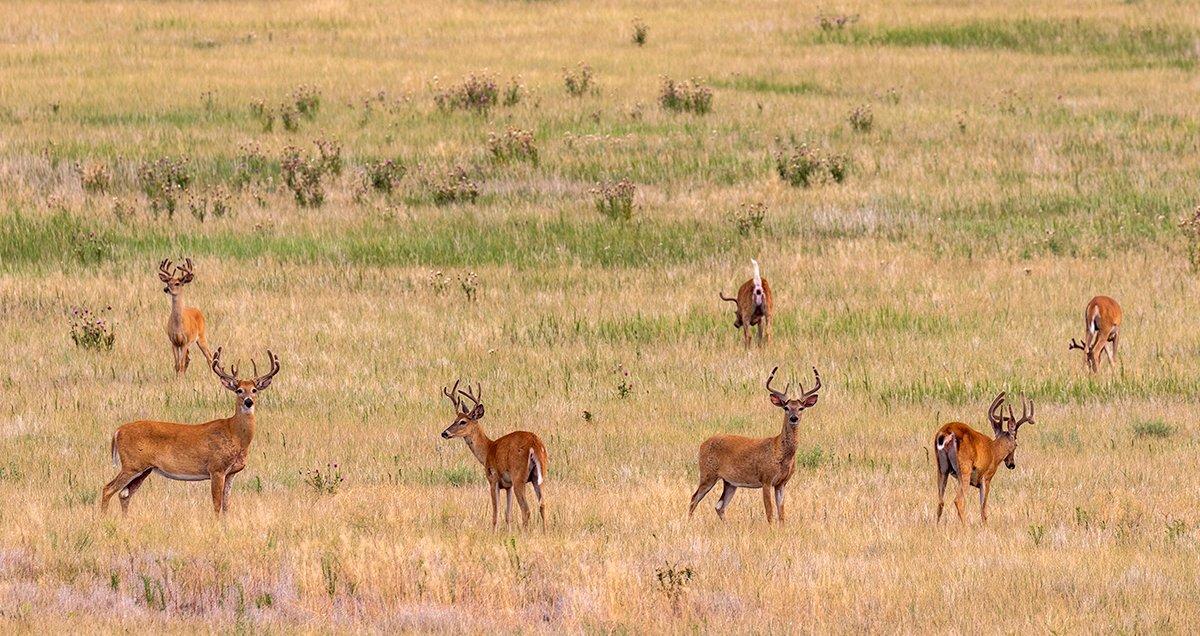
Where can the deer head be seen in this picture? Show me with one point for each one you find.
(1006, 427)
(464, 418)
(793, 408)
(1088, 354)
(246, 390)
(175, 280)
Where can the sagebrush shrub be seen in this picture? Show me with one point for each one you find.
(383, 175)
(614, 199)
(862, 119)
(802, 166)
(578, 81)
(477, 93)
(304, 177)
(692, 97)
(163, 181)
(514, 144)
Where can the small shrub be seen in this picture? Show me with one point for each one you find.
(454, 186)
(122, 210)
(250, 166)
(438, 282)
(640, 30)
(90, 247)
(477, 93)
(514, 144)
(624, 382)
(1176, 529)
(163, 181)
(1191, 233)
(90, 330)
(673, 583)
(94, 176)
(1037, 533)
(691, 97)
(213, 204)
(749, 218)
(329, 156)
(383, 175)
(862, 119)
(307, 101)
(514, 92)
(835, 21)
(615, 199)
(578, 81)
(265, 114)
(1153, 428)
(802, 166)
(304, 177)
(469, 285)
(324, 482)
(289, 116)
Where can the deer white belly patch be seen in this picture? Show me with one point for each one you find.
(180, 477)
(734, 483)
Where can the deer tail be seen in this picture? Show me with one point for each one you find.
(1094, 323)
(758, 283)
(727, 298)
(536, 471)
(116, 459)
(947, 453)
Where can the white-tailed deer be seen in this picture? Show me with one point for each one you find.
(1102, 324)
(510, 462)
(973, 458)
(743, 462)
(753, 306)
(186, 324)
(215, 450)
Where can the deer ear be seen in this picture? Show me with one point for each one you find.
(811, 400)
(776, 400)
(477, 412)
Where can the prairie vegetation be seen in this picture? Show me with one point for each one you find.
(396, 195)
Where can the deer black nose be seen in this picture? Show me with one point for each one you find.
(793, 419)
(248, 402)
(166, 290)
(445, 434)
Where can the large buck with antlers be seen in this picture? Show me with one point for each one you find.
(753, 307)
(510, 462)
(185, 326)
(215, 450)
(1102, 327)
(743, 462)
(973, 458)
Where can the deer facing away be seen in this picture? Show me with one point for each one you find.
(215, 450)
(743, 462)
(510, 462)
(753, 307)
(185, 326)
(1102, 323)
(973, 458)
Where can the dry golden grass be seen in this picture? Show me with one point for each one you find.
(1030, 161)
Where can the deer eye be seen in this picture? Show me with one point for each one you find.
(254, 390)
(239, 391)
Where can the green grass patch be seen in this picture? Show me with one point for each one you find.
(771, 86)
(1156, 429)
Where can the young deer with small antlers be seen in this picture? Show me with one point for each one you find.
(186, 324)
(973, 458)
(215, 450)
(1102, 323)
(743, 462)
(754, 306)
(510, 461)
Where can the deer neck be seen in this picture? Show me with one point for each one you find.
(242, 426)
(785, 442)
(1001, 447)
(479, 443)
(176, 308)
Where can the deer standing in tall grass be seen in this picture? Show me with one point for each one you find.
(186, 324)
(215, 450)
(510, 462)
(743, 462)
(973, 458)
(753, 306)
(1102, 324)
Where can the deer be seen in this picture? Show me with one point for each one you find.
(510, 462)
(1102, 323)
(753, 306)
(214, 451)
(743, 462)
(185, 326)
(973, 458)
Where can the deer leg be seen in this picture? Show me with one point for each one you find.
(494, 491)
(126, 493)
(767, 503)
(941, 491)
(187, 357)
(225, 494)
(706, 484)
(202, 342)
(507, 507)
(766, 325)
(960, 500)
(984, 488)
(218, 491)
(117, 484)
(178, 352)
(779, 502)
(746, 332)
(728, 490)
(537, 491)
(520, 488)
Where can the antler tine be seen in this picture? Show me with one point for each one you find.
(1026, 411)
(476, 399)
(452, 394)
(186, 270)
(164, 270)
(994, 418)
(1076, 345)
(263, 380)
(782, 396)
(254, 367)
(815, 388)
(219, 370)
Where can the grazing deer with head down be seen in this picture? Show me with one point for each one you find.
(743, 462)
(973, 458)
(215, 450)
(753, 306)
(1102, 323)
(510, 461)
(186, 324)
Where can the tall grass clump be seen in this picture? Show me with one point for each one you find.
(478, 93)
(452, 186)
(306, 176)
(640, 32)
(514, 144)
(163, 181)
(614, 199)
(579, 81)
(691, 97)
(383, 175)
(91, 330)
(801, 165)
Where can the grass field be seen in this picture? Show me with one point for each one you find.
(1004, 165)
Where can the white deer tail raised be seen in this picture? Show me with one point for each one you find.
(758, 285)
(535, 468)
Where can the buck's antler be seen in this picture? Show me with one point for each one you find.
(452, 395)
(995, 417)
(230, 379)
(814, 390)
(186, 271)
(164, 270)
(1026, 413)
(475, 399)
(1076, 345)
(263, 381)
(781, 396)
